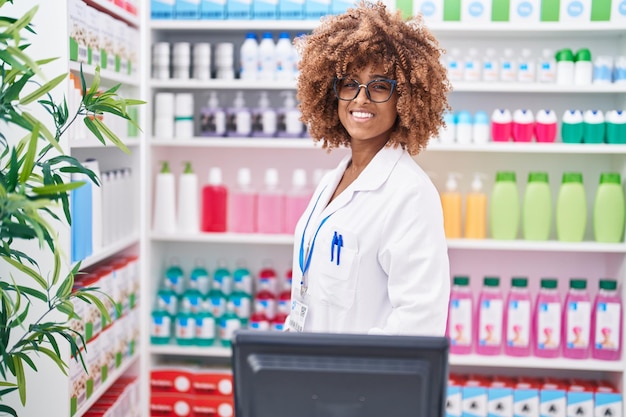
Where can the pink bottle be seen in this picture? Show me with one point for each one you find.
(265, 302)
(501, 124)
(518, 319)
(271, 205)
(489, 318)
(296, 200)
(214, 203)
(547, 320)
(545, 126)
(607, 322)
(243, 205)
(460, 317)
(577, 321)
(523, 127)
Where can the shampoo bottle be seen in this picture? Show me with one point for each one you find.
(501, 125)
(271, 200)
(572, 126)
(214, 203)
(523, 125)
(264, 118)
(480, 128)
(608, 209)
(505, 207)
(212, 118)
(571, 208)
(165, 201)
(577, 321)
(490, 318)
(545, 126)
(518, 319)
(547, 320)
(289, 124)
(616, 127)
(593, 126)
(451, 202)
(607, 322)
(476, 210)
(187, 210)
(460, 316)
(243, 204)
(239, 119)
(537, 207)
(296, 200)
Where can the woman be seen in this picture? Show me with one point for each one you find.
(370, 254)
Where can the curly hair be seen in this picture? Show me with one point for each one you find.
(370, 34)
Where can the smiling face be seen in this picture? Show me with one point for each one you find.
(366, 122)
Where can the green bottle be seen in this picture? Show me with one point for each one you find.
(161, 327)
(223, 279)
(505, 207)
(608, 209)
(228, 324)
(242, 304)
(200, 279)
(537, 207)
(185, 328)
(205, 329)
(571, 208)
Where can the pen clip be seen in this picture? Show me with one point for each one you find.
(339, 246)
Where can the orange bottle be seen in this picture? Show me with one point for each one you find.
(451, 202)
(476, 210)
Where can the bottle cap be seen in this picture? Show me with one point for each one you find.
(481, 118)
(461, 281)
(538, 177)
(268, 35)
(165, 167)
(283, 35)
(264, 101)
(239, 102)
(572, 177)
(578, 283)
(583, 54)
(549, 283)
(451, 183)
(610, 178)
(501, 116)
(505, 176)
(477, 182)
(491, 281)
(564, 55)
(213, 102)
(449, 118)
(251, 35)
(464, 117)
(271, 177)
(215, 176)
(243, 176)
(519, 282)
(608, 284)
(188, 168)
(298, 178)
(572, 116)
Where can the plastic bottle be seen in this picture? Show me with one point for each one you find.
(184, 328)
(447, 134)
(545, 126)
(491, 66)
(174, 278)
(451, 202)
(265, 300)
(547, 320)
(242, 305)
(537, 207)
(616, 127)
(571, 208)
(82, 217)
(546, 68)
(608, 209)
(228, 324)
(289, 124)
(523, 127)
(476, 210)
(296, 200)
(165, 200)
(460, 317)
(215, 302)
(239, 118)
(191, 299)
(454, 65)
(480, 128)
(271, 203)
(212, 118)
(160, 327)
(199, 278)
(603, 69)
(518, 319)
(526, 67)
(607, 322)
(214, 203)
(284, 58)
(565, 67)
(577, 321)
(187, 210)
(508, 69)
(243, 204)
(205, 329)
(501, 125)
(264, 120)
(489, 318)
(222, 278)
(572, 126)
(249, 58)
(594, 128)
(464, 127)
(583, 68)
(505, 206)
(619, 72)
(472, 67)
(242, 279)
(267, 57)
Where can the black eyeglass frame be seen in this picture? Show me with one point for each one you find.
(393, 83)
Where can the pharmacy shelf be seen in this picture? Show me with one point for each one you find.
(219, 84)
(532, 88)
(107, 77)
(503, 361)
(539, 246)
(197, 351)
(251, 143)
(235, 238)
(93, 142)
(533, 147)
(95, 396)
(109, 251)
(233, 25)
(116, 11)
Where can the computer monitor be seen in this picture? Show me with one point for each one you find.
(289, 374)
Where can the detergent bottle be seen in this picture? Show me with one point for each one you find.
(451, 202)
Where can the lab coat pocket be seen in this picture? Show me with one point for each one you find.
(339, 272)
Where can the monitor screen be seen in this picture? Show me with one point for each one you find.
(288, 374)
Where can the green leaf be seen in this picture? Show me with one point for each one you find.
(62, 365)
(44, 89)
(95, 83)
(54, 344)
(44, 131)
(8, 410)
(29, 159)
(92, 127)
(112, 137)
(21, 379)
(58, 188)
(20, 318)
(28, 360)
(57, 267)
(67, 308)
(28, 271)
(30, 291)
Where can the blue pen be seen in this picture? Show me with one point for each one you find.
(339, 245)
(332, 247)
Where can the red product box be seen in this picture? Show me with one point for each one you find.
(171, 380)
(213, 406)
(171, 405)
(218, 383)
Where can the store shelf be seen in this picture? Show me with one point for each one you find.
(198, 351)
(502, 361)
(115, 11)
(107, 77)
(541, 246)
(251, 143)
(92, 142)
(109, 251)
(126, 364)
(218, 84)
(233, 25)
(236, 238)
(498, 87)
(533, 147)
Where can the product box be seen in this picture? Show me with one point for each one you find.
(454, 400)
(93, 36)
(525, 402)
(552, 399)
(580, 400)
(238, 9)
(108, 341)
(315, 9)
(107, 48)
(340, 6)
(499, 401)
(525, 11)
(162, 9)
(475, 11)
(431, 10)
(77, 21)
(78, 383)
(265, 9)
(171, 380)
(618, 11)
(608, 404)
(187, 9)
(209, 406)
(474, 402)
(291, 9)
(170, 405)
(575, 11)
(212, 9)
(94, 361)
(212, 383)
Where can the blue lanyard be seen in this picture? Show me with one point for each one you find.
(304, 266)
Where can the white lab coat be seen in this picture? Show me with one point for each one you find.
(393, 274)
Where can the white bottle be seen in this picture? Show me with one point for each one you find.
(249, 58)
(289, 124)
(508, 69)
(583, 67)
(491, 66)
(526, 67)
(164, 201)
(264, 118)
(284, 58)
(603, 69)
(183, 116)
(464, 127)
(447, 135)
(267, 58)
(239, 121)
(188, 204)
(565, 67)
(546, 68)
(472, 66)
(480, 128)
(212, 118)
(454, 65)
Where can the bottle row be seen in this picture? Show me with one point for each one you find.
(563, 67)
(99, 39)
(101, 215)
(521, 125)
(181, 205)
(545, 326)
(121, 399)
(534, 213)
(483, 396)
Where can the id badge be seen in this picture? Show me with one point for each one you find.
(297, 316)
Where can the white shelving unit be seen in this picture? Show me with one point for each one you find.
(477, 258)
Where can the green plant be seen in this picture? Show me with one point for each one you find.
(34, 196)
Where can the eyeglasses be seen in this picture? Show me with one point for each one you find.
(377, 91)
